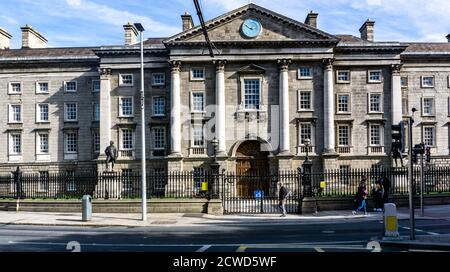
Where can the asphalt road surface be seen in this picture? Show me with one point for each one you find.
(348, 236)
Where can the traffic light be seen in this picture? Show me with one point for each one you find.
(414, 156)
(428, 154)
(398, 142)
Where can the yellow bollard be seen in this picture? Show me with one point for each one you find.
(390, 220)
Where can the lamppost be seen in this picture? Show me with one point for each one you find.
(141, 29)
(307, 166)
(214, 167)
(410, 175)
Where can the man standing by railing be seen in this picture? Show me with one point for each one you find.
(282, 195)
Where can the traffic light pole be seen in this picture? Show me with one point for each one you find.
(411, 180)
(422, 178)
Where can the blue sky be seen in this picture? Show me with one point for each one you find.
(99, 22)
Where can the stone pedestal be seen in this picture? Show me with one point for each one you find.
(309, 205)
(108, 186)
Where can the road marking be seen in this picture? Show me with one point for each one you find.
(241, 249)
(318, 249)
(419, 230)
(203, 248)
(328, 231)
(433, 233)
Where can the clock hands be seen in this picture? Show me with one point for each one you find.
(251, 28)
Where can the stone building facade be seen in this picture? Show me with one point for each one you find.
(272, 83)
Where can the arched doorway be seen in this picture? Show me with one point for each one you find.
(252, 168)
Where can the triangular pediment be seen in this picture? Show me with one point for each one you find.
(252, 69)
(275, 27)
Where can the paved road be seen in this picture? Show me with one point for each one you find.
(348, 236)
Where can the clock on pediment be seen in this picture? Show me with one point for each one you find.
(251, 28)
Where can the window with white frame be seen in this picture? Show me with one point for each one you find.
(96, 141)
(71, 114)
(158, 79)
(375, 135)
(343, 76)
(198, 139)
(71, 184)
(71, 142)
(70, 86)
(159, 138)
(305, 73)
(159, 106)
(198, 101)
(42, 112)
(42, 87)
(197, 74)
(428, 106)
(126, 80)
(429, 135)
(343, 103)
(344, 135)
(304, 100)
(96, 111)
(375, 102)
(305, 131)
(374, 76)
(427, 81)
(43, 142)
(15, 88)
(96, 86)
(404, 81)
(252, 94)
(15, 113)
(127, 139)
(126, 107)
(43, 181)
(15, 145)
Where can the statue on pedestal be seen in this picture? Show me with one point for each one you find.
(111, 156)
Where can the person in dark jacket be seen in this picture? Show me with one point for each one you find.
(378, 193)
(282, 195)
(360, 197)
(387, 187)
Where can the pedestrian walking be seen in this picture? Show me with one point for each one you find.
(282, 195)
(360, 197)
(378, 193)
(387, 187)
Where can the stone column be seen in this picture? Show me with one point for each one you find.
(105, 109)
(328, 94)
(175, 114)
(220, 107)
(396, 94)
(284, 107)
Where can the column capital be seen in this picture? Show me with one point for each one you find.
(104, 71)
(395, 68)
(220, 64)
(175, 65)
(284, 64)
(328, 63)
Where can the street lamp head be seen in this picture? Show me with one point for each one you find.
(414, 110)
(307, 142)
(215, 142)
(139, 27)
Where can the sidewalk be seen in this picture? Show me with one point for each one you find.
(180, 219)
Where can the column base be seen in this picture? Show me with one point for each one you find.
(284, 161)
(175, 155)
(330, 153)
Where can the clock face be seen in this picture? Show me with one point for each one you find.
(251, 28)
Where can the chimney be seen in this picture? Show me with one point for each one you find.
(448, 38)
(311, 19)
(131, 34)
(367, 30)
(5, 39)
(32, 39)
(188, 23)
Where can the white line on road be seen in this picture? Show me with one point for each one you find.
(203, 248)
(321, 244)
(318, 249)
(419, 230)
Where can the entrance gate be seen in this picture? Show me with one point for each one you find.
(260, 193)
